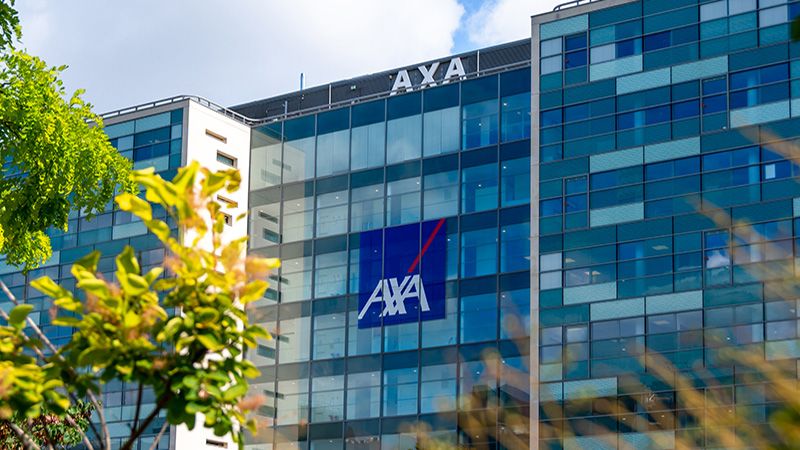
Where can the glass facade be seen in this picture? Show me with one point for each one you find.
(668, 149)
(150, 141)
(322, 186)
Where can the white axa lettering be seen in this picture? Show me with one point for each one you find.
(394, 295)
(402, 81)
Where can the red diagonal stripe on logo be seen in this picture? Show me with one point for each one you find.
(427, 244)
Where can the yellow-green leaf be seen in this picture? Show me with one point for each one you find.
(47, 286)
(18, 314)
(135, 205)
(126, 262)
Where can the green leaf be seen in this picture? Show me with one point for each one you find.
(205, 314)
(193, 408)
(257, 331)
(89, 262)
(18, 314)
(253, 291)
(153, 274)
(136, 284)
(92, 356)
(68, 303)
(66, 321)
(135, 205)
(191, 382)
(132, 319)
(126, 262)
(210, 342)
(185, 177)
(94, 286)
(159, 228)
(235, 392)
(47, 286)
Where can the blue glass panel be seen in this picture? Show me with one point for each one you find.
(479, 188)
(763, 75)
(404, 105)
(551, 207)
(714, 86)
(576, 185)
(629, 47)
(657, 115)
(686, 109)
(478, 317)
(656, 41)
(367, 113)
(618, 177)
(575, 59)
(151, 137)
(575, 42)
(715, 104)
(551, 117)
(479, 252)
(576, 112)
(685, 35)
(576, 203)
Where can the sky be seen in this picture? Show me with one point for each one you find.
(130, 52)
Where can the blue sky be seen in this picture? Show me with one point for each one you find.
(233, 51)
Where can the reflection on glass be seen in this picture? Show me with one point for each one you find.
(333, 150)
(478, 252)
(479, 124)
(479, 317)
(265, 161)
(298, 159)
(366, 208)
(363, 395)
(441, 131)
(403, 138)
(479, 188)
(515, 119)
(368, 146)
(400, 391)
(403, 201)
(441, 195)
(515, 181)
(332, 213)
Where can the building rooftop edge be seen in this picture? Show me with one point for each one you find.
(235, 112)
(383, 72)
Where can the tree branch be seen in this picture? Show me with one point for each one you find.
(86, 440)
(105, 437)
(26, 440)
(158, 436)
(138, 407)
(136, 433)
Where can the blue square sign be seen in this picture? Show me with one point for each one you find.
(402, 274)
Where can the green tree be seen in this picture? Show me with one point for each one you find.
(193, 361)
(55, 155)
(48, 429)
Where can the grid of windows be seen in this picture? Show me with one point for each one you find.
(681, 245)
(460, 151)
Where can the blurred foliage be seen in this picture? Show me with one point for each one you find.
(55, 156)
(192, 361)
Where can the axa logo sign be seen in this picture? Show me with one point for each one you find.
(455, 69)
(402, 274)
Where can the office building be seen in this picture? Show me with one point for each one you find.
(499, 249)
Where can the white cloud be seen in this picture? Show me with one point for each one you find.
(499, 21)
(132, 52)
